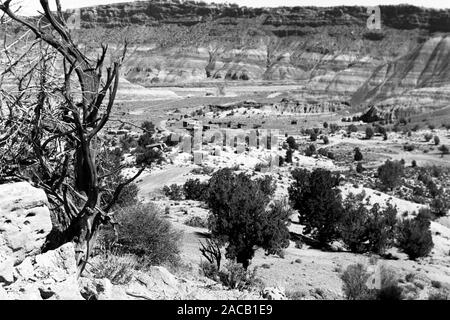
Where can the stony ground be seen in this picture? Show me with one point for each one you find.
(308, 272)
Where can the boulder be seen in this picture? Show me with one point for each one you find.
(51, 275)
(24, 222)
(7, 271)
(3, 294)
(274, 293)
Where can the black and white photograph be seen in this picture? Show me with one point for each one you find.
(228, 157)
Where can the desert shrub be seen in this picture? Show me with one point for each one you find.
(117, 268)
(174, 192)
(369, 132)
(354, 280)
(196, 222)
(148, 157)
(317, 198)
(331, 155)
(325, 140)
(352, 227)
(381, 227)
(360, 168)
(390, 173)
(193, 189)
(209, 270)
(440, 294)
(295, 295)
(414, 235)
(380, 129)
(203, 170)
(358, 155)
(267, 185)
(281, 161)
(409, 147)
(292, 143)
(310, 150)
(322, 152)
(334, 127)
(289, 153)
(240, 217)
(127, 142)
(436, 284)
(364, 230)
(389, 288)
(443, 149)
(143, 231)
(352, 128)
(234, 276)
(435, 171)
(428, 137)
(436, 140)
(440, 205)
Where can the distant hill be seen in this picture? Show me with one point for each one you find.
(327, 50)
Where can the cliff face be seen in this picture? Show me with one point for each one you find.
(327, 49)
(287, 19)
(425, 72)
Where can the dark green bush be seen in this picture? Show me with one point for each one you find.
(240, 217)
(390, 174)
(364, 230)
(193, 189)
(414, 235)
(355, 282)
(358, 155)
(317, 198)
(174, 192)
(143, 231)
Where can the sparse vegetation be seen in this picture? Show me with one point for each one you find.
(358, 155)
(144, 233)
(238, 207)
(354, 280)
(318, 200)
(390, 174)
(414, 235)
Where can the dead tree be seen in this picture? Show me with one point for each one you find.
(211, 251)
(61, 125)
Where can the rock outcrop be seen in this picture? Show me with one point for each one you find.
(24, 225)
(48, 276)
(284, 20)
(425, 67)
(28, 274)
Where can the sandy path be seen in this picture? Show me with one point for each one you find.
(157, 180)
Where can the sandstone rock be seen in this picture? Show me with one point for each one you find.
(7, 271)
(51, 275)
(23, 291)
(25, 270)
(101, 289)
(57, 265)
(274, 293)
(158, 282)
(3, 294)
(24, 221)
